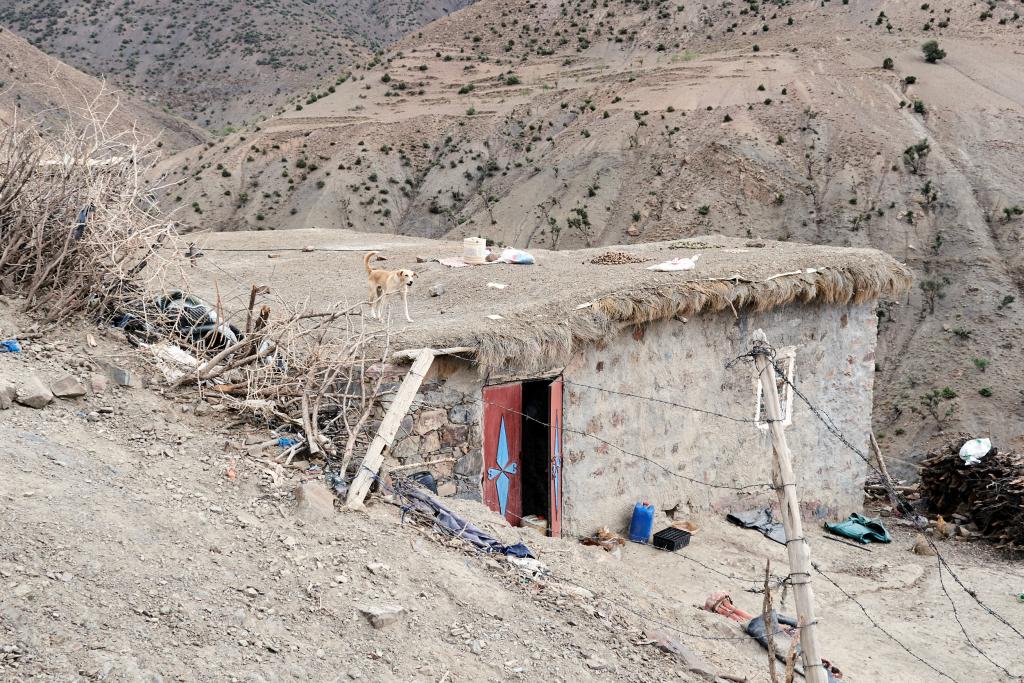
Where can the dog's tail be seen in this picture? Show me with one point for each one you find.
(366, 261)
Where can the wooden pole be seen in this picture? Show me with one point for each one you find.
(796, 544)
(388, 428)
(887, 482)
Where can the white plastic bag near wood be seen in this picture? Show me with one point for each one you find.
(676, 264)
(974, 450)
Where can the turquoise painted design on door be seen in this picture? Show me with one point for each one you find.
(556, 470)
(503, 473)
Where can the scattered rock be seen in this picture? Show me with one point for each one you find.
(118, 375)
(383, 615)
(67, 387)
(688, 657)
(378, 568)
(597, 664)
(314, 501)
(8, 392)
(576, 592)
(436, 290)
(34, 393)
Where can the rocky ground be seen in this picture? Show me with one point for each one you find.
(144, 541)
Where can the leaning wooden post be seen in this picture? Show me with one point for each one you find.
(796, 545)
(388, 428)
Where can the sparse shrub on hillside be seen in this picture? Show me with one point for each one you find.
(919, 107)
(888, 64)
(933, 289)
(985, 391)
(466, 89)
(981, 363)
(704, 210)
(1011, 211)
(932, 403)
(726, 118)
(1007, 300)
(916, 155)
(932, 52)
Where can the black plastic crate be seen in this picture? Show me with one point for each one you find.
(671, 539)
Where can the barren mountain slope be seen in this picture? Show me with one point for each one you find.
(542, 123)
(217, 62)
(35, 84)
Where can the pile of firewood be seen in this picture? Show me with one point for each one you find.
(990, 493)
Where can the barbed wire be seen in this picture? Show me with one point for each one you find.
(620, 449)
(833, 429)
(874, 622)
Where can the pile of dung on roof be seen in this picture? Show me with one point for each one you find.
(989, 492)
(617, 258)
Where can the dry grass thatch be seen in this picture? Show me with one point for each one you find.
(548, 346)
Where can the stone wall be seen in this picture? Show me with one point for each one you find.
(686, 363)
(444, 422)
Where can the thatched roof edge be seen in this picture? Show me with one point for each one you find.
(536, 347)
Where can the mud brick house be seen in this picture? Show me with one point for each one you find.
(573, 388)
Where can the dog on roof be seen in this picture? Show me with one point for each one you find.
(384, 283)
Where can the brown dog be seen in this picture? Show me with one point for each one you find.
(383, 283)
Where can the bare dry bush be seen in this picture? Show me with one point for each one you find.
(80, 234)
(77, 224)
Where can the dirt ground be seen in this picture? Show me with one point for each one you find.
(130, 554)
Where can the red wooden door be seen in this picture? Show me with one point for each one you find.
(503, 430)
(555, 463)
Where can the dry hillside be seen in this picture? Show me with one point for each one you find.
(35, 84)
(214, 61)
(544, 123)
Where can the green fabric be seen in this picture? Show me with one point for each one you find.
(860, 528)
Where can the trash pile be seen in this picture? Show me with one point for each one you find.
(987, 488)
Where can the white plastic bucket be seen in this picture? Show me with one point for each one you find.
(474, 250)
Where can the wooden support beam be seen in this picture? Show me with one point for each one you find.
(410, 354)
(796, 544)
(388, 428)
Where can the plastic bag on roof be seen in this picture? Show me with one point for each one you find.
(516, 256)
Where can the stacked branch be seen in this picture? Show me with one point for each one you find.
(990, 492)
(307, 372)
